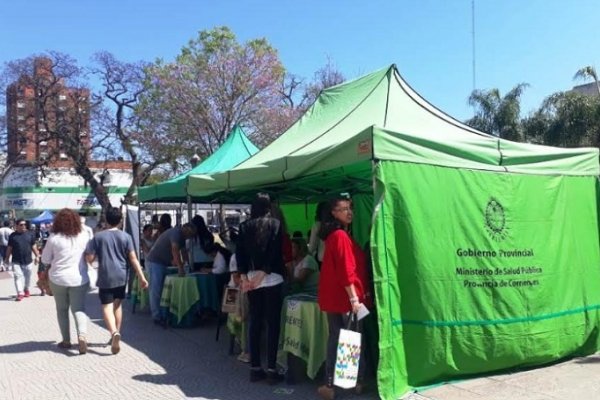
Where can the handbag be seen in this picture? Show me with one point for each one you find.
(231, 300)
(43, 282)
(348, 355)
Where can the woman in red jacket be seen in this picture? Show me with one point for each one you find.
(343, 284)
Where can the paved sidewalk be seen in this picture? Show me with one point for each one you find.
(155, 363)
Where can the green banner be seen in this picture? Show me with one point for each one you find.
(480, 271)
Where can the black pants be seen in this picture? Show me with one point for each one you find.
(265, 305)
(337, 322)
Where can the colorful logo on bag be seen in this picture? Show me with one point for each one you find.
(495, 220)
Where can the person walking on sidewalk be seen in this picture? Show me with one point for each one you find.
(68, 275)
(114, 249)
(21, 244)
(5, 233)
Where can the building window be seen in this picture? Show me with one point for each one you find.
(43, 143)
(23, 153)
(43, 155)
(63, 156)
(42, 129)
(21, 128)
(62, 97)
(20, 104)
(20, 117)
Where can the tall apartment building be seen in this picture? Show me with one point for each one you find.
(38, 105)
(43, 117)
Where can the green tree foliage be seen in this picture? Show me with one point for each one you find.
(214, 84)
(497, 115)
(566, 119)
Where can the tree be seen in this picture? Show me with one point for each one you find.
(131, 137)
(566, 119)
(497, 115)
(56, 118)
(84, 130)
(327, 76)
(214, 84)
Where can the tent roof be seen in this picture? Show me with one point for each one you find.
(44, 218)
(233, 151)
(377, 117)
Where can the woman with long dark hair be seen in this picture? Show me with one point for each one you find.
(316, 247)
(260, 264)
(68, 274)
(201, 245)
(343, 283)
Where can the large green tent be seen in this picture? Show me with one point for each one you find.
(236, 148)
(485, 252)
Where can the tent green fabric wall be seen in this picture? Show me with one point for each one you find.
(233, 151)
(480, 271)
(441, 189)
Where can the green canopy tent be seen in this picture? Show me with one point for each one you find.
(485, 252)
(233, 151)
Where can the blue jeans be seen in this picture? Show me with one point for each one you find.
(157, 281)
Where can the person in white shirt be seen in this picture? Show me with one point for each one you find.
(303, 270)
(5, 232)
(86, 229)
(68, 275)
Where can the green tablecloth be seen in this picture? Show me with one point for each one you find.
(304, 331)
(140, 296)
(239, 329)
(180, 295)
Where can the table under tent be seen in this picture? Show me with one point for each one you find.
(485, 251)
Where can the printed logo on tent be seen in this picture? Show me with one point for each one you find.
(364, 147)
(495, 220)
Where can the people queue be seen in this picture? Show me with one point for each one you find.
(261, 259)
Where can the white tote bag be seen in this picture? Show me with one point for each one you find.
(348, 357)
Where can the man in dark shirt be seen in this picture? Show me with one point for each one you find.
(21, 244)
(113, 248)
(169, 249)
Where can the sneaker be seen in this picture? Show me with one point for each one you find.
(27, 294)
(1, 269)
(19, 297)
(115, 345)
(82, 345)
(244, 357)
(64, 345)
(257, 375)
(274, 377)
(326, 392)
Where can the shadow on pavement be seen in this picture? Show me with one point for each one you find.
(29, 347)
(194, 362)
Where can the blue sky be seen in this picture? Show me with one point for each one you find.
(542, 43)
